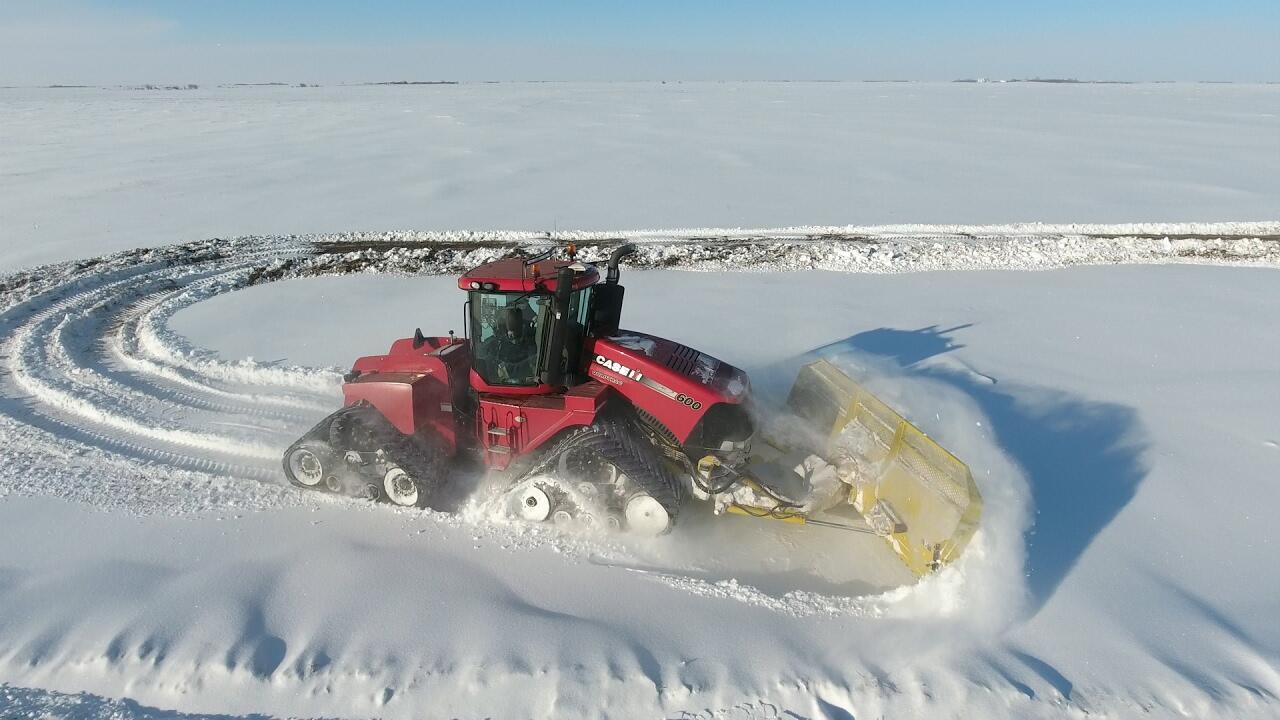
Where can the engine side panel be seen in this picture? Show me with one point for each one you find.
(674, 383)
(416, 389)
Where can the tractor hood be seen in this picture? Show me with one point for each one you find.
(675, 383)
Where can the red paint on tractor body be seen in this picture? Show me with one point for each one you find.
(672, 382)
(511, 426)
(416, 389)
(513, 275)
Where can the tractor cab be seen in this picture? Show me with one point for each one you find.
(527, 320)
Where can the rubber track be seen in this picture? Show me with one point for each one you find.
(416, 455)
(618, 440)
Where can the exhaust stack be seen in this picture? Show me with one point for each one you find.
(614, 258)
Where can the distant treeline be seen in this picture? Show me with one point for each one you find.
(1050, 80)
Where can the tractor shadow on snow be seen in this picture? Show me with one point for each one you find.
(1083, 459)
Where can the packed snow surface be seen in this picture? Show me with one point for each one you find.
(152, 551)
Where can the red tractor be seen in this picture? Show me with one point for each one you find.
(594, 425)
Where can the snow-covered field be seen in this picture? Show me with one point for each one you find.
(1118, 405)
(85, 171)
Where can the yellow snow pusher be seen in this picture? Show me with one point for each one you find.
(845, 459)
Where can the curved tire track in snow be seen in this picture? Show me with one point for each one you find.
(89, 358)
(77, 370)
(89, 363)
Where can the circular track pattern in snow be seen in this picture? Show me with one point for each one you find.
(96, 386)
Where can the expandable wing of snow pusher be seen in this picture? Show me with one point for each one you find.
(855, 452)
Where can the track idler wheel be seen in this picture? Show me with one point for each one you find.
(646, 516)
(310, 463)
(399, 488)
(533, 503)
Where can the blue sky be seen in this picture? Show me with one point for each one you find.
(328, 41)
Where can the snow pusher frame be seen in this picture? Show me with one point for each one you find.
(906, 487)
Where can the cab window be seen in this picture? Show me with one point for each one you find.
(507, 336)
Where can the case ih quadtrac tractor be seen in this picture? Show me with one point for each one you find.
(589, 424)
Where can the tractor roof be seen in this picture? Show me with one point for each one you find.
(513, 275)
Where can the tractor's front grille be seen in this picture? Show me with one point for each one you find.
(683, 360)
